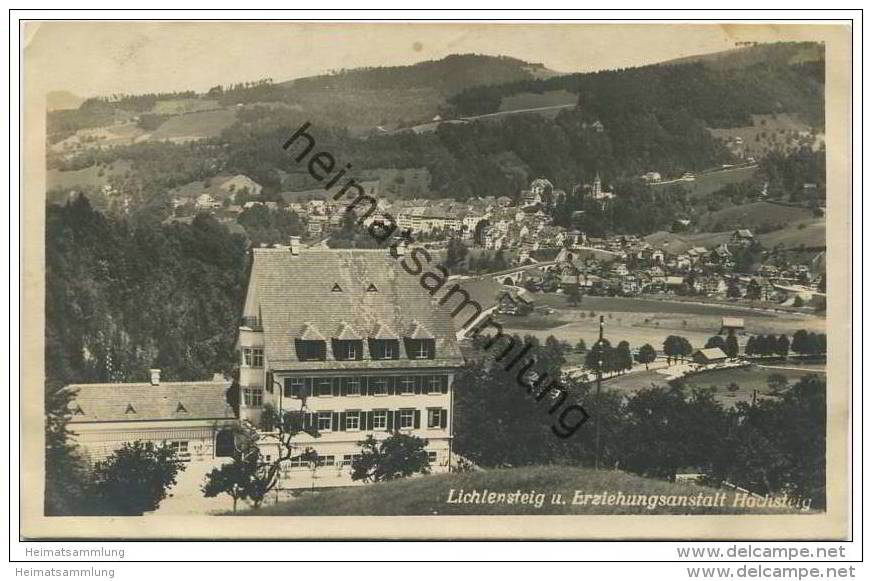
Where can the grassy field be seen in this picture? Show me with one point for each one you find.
(534, 322)
(747, 378)
(767, 132)
(195, 125)
(88, 177)
(708, 183)
(429, 495)
(753, 216)
(810, 233)
(533, 100)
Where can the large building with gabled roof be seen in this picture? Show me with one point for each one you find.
(353, 340)
(195, 418)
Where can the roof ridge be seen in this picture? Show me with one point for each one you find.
(205, 381)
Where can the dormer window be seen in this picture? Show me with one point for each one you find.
(130, 409)
(371, 288)
(421, 348)
(347, 350)
(311, 350)
(384, 348)
(336, 288)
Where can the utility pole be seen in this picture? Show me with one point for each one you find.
(599, 381)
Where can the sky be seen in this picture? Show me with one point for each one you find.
(103, 58)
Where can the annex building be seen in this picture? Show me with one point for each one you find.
(352, 340)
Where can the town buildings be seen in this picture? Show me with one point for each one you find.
(356, 344)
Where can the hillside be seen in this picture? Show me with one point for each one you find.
(447, 76)
(754, 215)
(785, 53)
(428, 495)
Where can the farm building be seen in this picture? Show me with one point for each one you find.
(732, 324)
(708, 356)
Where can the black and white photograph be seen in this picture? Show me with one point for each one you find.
(464, 271)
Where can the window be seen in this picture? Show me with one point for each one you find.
(351, 385)
(297, 462)
(406, 385)
(257, 357)
(433, 383)
(380, 420)
(246, 356)
(407, 419)
(378, 386)
(252, 397)
(437, 417)
(326, 460)
(352, 421)
(347, 350)
(432, 457)
(325, 421)
(421, 348)
(180, 447)
(297, 386)
(323, 387)
(384, 348)
(311, 350)
(347, 459)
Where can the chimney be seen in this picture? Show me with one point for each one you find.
(155, 376)
(295, 245)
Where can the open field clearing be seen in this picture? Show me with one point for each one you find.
(707, 183)
(641, 321)
(199, 125)
(747, 378)
(429, 495)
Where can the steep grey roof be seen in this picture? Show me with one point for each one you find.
(120, 402)
(377, 296)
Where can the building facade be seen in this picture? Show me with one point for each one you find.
(194, 417)
(355, 343)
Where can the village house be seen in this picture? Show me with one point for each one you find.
(732, 325)
(709, 356)
(514, 302)
(356, 345)
(193, 417)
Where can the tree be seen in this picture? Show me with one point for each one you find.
(716, 341)
(800, 343)
(646, 355)
(581, 346)
(399, 456)
(623, 357)
(573, 295)
(731, 346)
(68, 485)
(753, 292)
(776, 382)
(600, 357)
(136, 477)
(783, 346)
(733, 291)
(233, 478)
(751, 346)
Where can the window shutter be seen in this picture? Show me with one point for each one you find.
(343, 386)
(342, 421)
(307, 420)
(417, 419)
(418, 380)
(443, 385)
(369, 420)
(335, 423)
(443, 419)
(335, 386)
(392, 385)
(390, 420)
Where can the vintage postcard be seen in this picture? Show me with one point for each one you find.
(420, 280)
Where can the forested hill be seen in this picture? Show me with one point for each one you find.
(781, 53)
(121, 298)
(717, 96)
(448, 76)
